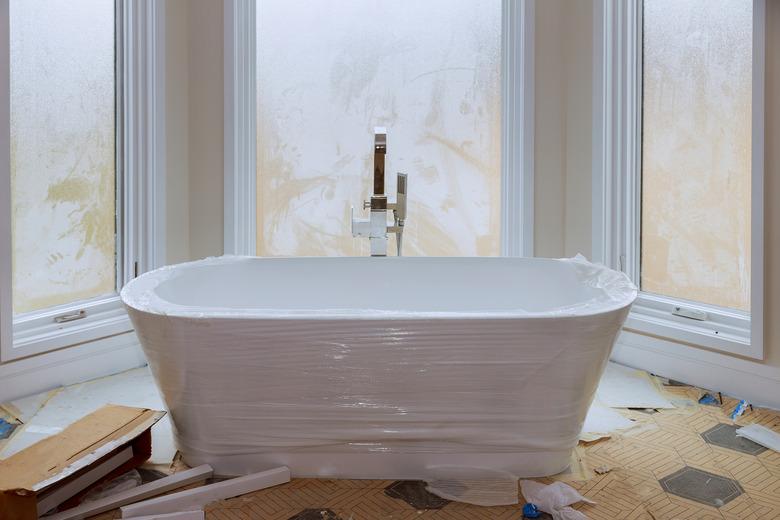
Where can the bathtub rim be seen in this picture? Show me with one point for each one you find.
(139, 295)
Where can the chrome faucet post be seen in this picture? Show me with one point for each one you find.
(376, 228)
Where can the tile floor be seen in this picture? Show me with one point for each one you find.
(685, 463)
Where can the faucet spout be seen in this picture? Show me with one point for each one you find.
(380, 150)
(376, 227)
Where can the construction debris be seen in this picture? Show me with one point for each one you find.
(761, 435)
(142, 492)
(63, 467)
(197, 498)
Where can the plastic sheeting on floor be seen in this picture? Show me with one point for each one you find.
(68, 404)
(625, 387)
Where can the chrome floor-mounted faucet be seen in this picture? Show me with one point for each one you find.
(376, 227)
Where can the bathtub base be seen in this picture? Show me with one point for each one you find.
(384, 466)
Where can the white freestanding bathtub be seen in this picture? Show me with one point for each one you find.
(378, 367)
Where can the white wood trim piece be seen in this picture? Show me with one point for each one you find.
(757, 184)
(183, 515)
(758, 383)
(517, 129)
(616, 133)
(6, 308)
(142, 143)
(70, 365)
(144, 491)
(67, 490)
(193, 499)
(240, 128)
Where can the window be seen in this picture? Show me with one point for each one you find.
(74, 198)
(63, 168)
(696, 150)
(428, 71)
(679, 167)
(450, 82)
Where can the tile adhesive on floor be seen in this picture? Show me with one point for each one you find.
(669, 458)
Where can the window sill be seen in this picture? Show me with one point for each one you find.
(35, 333)
(721, 329)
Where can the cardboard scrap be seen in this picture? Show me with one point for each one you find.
(57, 461)
(47, 414)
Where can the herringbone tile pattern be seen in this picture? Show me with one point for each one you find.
(662, 444)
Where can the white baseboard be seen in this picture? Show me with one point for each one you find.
(70, 365)
(758, 383)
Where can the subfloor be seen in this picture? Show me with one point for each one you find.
(683, 463)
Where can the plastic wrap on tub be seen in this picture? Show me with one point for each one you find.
(415, 383)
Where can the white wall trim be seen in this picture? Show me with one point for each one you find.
(759, 384)
(142, 167)
(240, 128)
(617, 186)
(518, 127)
(70, 365)
(616, 128)
(757, 183)
(6, 307)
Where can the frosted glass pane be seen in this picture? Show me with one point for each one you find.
(62, 151)
(328, 71)
(696, 148)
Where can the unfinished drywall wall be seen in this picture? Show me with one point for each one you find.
(177, 173)
(205, 127)
(562, 143)
(550, 124)
(578, 141)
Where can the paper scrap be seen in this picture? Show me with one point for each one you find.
(554, 499)
(624, 387)
(761, 435)
(601, 421)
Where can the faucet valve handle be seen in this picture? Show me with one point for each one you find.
(400, 198)
(366, 204)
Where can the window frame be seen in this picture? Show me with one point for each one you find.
(617, 129)
(517, 128)
(140, 188)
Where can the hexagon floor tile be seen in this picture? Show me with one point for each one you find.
(701, 486)
(413, 492)
(725, 436)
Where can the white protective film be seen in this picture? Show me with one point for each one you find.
(430, 372)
